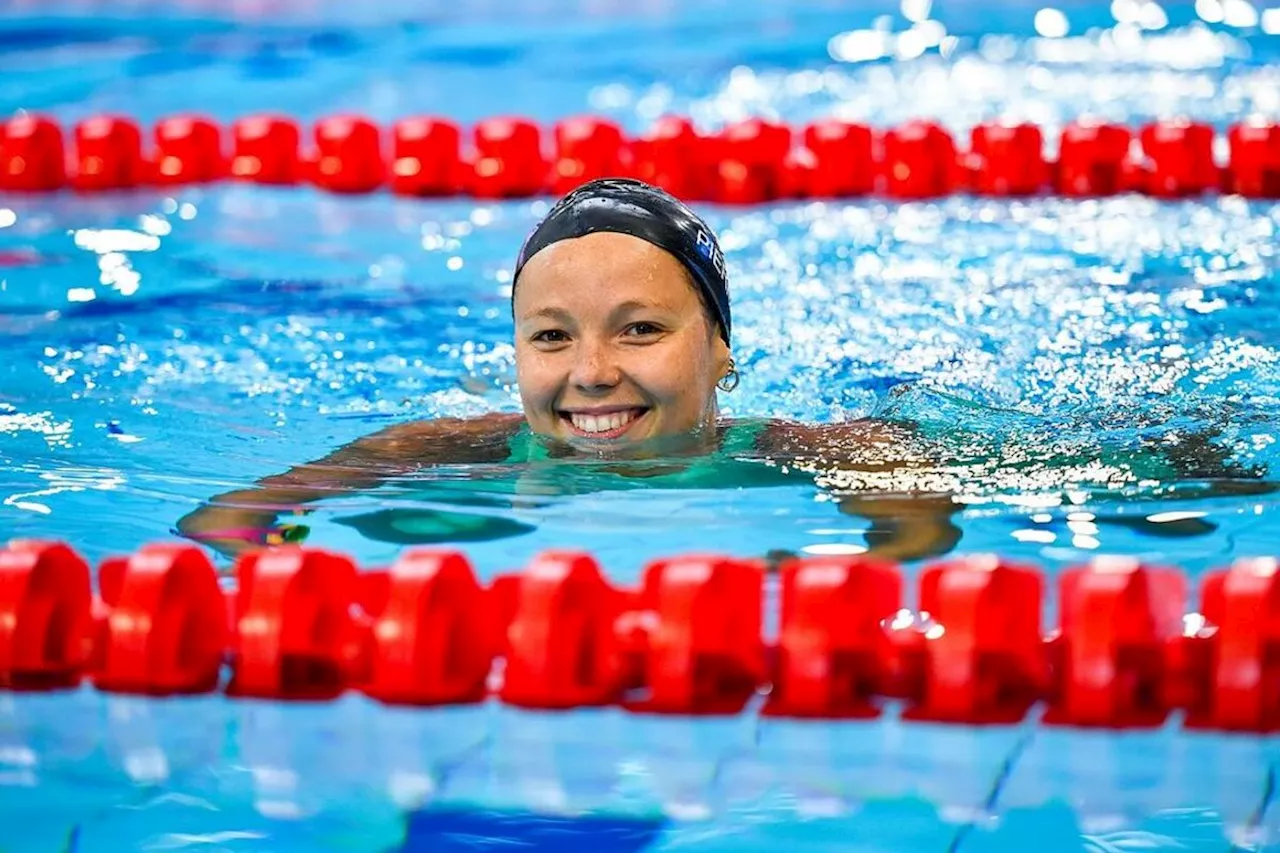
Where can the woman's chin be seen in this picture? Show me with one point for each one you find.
(648, 445)
(644, 436)
(623, 442)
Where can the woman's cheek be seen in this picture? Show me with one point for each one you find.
(533, 386)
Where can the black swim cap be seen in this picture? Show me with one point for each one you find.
(627, 206)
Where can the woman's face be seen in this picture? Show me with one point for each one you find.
(613, 345)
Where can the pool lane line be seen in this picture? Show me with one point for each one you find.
(997, 785)
(1254, 825)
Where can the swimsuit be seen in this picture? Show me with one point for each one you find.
(488, 500)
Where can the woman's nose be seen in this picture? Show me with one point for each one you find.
(594, 367)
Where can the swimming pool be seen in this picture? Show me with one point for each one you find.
(163, 347)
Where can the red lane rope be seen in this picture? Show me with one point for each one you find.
(747, 162)
(307, 623)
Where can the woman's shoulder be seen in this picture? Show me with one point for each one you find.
(473, 439)
(797, 438)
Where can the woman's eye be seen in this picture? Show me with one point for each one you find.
(643, 329)
(551, 336)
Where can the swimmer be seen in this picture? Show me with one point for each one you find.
(623, 344)
(623, 326)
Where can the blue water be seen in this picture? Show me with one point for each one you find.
(159, 348)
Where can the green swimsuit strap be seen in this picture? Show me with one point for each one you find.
(740, 437)
(525, 447)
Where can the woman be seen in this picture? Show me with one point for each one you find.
(622, 345)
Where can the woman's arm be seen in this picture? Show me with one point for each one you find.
(882, 463)
(236, 521)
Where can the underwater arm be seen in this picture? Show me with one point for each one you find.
(876, 470)
(238, 520)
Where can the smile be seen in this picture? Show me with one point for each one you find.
(602, 423)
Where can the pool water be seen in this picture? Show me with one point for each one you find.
(1088, 377)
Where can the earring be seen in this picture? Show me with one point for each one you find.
(730, 380)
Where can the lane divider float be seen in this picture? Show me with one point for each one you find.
(305, 623)
(747, 162)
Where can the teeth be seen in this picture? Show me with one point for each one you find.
(602, 423)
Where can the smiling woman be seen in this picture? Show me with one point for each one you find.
(622, 343)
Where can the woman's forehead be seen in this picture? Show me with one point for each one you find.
(603, 268)
(602, 249)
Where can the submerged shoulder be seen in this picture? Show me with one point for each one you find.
(793, 438)
(443, 437)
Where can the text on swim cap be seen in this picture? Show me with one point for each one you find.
(707, 246)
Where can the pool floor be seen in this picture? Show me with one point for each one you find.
(86, 771)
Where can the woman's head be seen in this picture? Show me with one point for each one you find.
(621, 318)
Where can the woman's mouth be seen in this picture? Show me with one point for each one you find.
(602, 424)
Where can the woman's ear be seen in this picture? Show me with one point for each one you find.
(721, 356)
